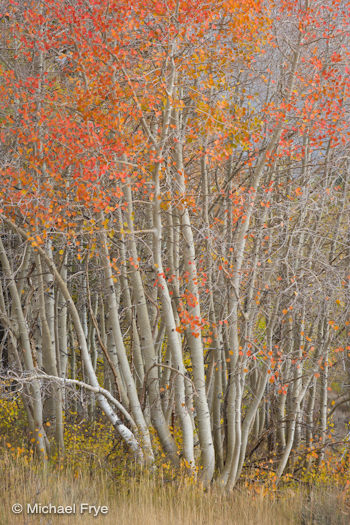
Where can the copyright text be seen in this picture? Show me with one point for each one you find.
(82, 508)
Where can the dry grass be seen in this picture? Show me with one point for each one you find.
(145, 501)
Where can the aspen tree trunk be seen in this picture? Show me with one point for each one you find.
(49, 354)
(173, 338)
(193, 336)
(38, 430)
(232, 473)
(114, 367)
(135, 339)
(147, 344)
(62, 338)
(111, 363)
(106, 341)
(165, 379)
(289, 376)
(47, 300)
(310, 406)
(298, 396)
(217, 401)
(281, 429)
(249, 418)
(73, 364)
(291, 431)
(260, 384)
(298, 383)
(50, 309)
(93, 349)
(135, 406)
(81, 302)
(14, 360)
(230, 429)
(323, 404)
(23, 270)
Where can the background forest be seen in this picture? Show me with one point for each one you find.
(175, 246)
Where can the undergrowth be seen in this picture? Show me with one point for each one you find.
(97, 469)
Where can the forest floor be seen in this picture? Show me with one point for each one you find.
(142, 500)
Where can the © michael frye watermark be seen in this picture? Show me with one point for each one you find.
(81, 508)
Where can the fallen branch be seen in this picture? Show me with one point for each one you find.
(97, 390)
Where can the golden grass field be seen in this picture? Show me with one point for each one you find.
(145, 501)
